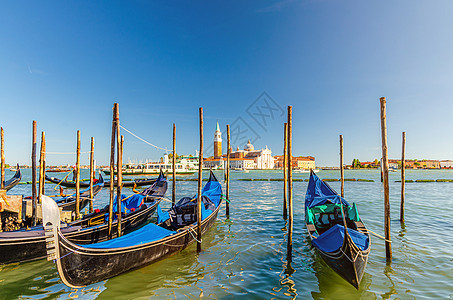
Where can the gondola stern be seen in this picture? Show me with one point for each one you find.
(212, 176)
(51, 222)
(349, 247)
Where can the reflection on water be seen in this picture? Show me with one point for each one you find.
(245, 256)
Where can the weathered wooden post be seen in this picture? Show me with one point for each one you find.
(41, 166)
(290, 184)
(173, 191)
(200, 178)
(92, 171)
(341, 166)
(77, 187)
(119, 167)
(385, 169)
(2, 157)
(227, 207)
(382, 171)
(112, 173)
(403, 177)
(285, 174)
(33, 176)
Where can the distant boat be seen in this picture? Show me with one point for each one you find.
(59, 170)
(242, 170)
(13, 181)
(304, 171)
(72, 184)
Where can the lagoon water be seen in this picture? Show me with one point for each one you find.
(245, 256)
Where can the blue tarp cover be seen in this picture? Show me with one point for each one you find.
(332, 239)
(133, 202)
(148, 233)
(162, 216)
(318, 193)
(212, 190)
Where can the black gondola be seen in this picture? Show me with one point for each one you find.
(80, 265)
(24, 245)
(336, 230)
(71, 184)
(69, 202)
(13, 181)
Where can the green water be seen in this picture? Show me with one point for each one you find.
(245, 256)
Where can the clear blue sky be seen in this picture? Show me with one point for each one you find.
(64, 64)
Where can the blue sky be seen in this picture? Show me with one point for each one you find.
(65, 63)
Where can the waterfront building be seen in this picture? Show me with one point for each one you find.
(298, 162)
(217, 142)
(446, 164)
(248, 158)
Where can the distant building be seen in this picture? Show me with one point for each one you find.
(241, 163)
(249, 158)
(394, 164)
(217, 142)
(429, 164)
(446, 164)
(422, 164)
(298, 162)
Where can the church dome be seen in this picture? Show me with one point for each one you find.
(249, 146)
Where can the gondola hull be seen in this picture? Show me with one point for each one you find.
(71, 184)
(349, 262)
(79, 266)
(20, 246)
(13, 181)
(336, 231)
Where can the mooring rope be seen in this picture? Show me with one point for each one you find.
(157, 147)
(377, 235)
(67, 152)
(190, 228)
(63, 256)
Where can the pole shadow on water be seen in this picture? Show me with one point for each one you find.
(388, 271)
(286, 275)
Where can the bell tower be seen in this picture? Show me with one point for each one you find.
(217, 142)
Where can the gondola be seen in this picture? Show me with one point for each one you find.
(25, 245)
(13, 181)
(80, 265)
(157, 189)
(344, 248)
(71, 184)
(69, 202)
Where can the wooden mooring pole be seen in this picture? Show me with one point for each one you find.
(227, 204)
(33, 175)
(119, 168)
(41, 166)
(341, 166)
(403, 177)
(3, 157)
(92, 171)
(200, 178)
(385, 170)
(77, 187)
(285, 174)
(173, 191)
(112, 173)
(290, 185)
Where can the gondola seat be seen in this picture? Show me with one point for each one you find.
(128, 204)
(148, 233)
(332, 239)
